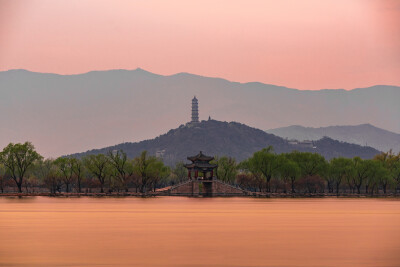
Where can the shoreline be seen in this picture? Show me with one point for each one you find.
(156, 194)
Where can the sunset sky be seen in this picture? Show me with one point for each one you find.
(310, 44)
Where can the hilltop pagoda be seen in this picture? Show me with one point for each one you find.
(195, 110)
(200, 164)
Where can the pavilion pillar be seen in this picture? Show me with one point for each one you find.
(189, 174)
(212, 173)
(196, 174)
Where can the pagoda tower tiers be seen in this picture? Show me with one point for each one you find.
(195, 110)
(200, 164)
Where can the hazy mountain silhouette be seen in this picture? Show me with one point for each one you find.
(62, 114)
(228, 139)
(364, 134)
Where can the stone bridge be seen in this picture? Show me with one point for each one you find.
(205, 188)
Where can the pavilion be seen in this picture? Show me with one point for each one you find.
(201, 165)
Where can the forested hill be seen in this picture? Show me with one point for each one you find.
(358, 134)
(228, 139)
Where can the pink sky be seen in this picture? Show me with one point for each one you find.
(309, 44)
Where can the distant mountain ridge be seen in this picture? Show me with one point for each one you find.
(232, 139)
(62, 114)
(363, 134)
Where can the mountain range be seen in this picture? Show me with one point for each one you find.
(231, 139)
(364, 134)
(64, 114)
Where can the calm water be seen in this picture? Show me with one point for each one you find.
(174, 231)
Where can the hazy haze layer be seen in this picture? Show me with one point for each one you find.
(63, 114)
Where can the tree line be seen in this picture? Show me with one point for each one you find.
(306, 172)
(25, 170)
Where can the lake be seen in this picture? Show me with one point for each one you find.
(180, 231)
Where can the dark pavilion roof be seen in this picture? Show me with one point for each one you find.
(201, 165)
(200, 157)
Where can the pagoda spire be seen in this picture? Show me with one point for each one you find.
(195, 110)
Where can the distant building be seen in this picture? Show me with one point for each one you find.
(195, 110)
(160, 153)
(293, 142)
(304, 144)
